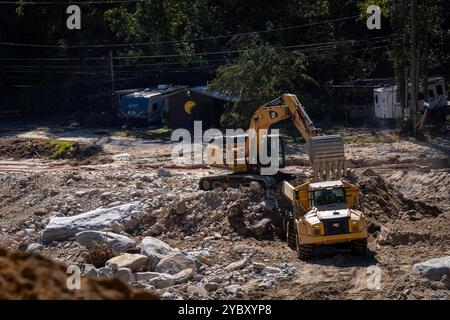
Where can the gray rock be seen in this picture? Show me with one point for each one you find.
(164, 280)
(262, 227)
(183, 276)
(197, 291)
(155, 250)
(271, 270)
(434, 269)
(237, 265)
(233, 289)
(167, 296)
(34, 247)
(63, 228)
(211, 286)
(134, 262)
(105, 272)
(125, 274)
(161, 172)
(117, 243)
(175, 262)
(90, 271)
(258, 266)
(146, 276)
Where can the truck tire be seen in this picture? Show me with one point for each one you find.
(305, 251)
(291, 234)
(359, 247)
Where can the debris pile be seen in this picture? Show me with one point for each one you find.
(235, 212)
(31, 276)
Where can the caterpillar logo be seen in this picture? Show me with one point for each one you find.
(189, 105)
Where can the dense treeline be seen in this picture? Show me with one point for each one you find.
(256, 48)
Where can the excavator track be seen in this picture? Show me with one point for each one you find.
(236, 180)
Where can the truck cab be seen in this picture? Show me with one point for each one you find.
(324, 213)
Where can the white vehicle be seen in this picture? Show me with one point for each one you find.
(387, 99)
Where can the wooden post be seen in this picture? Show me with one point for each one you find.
(111, 59)
(414, 73)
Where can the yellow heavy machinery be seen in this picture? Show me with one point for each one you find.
(326, 153)
(324, 207)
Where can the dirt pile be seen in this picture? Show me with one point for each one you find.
(25, 148)
(380, 201)
(240, 212)
(31, 276)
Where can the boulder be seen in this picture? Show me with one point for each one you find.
(175, 262)
(197, 292)
(134, 262)
(155, 250)
(206, 257)
(63, 228)
(394, 235)
(34, 247)
(146, 276)
(167, 296)
(164, 280)
(211, 286)
(434, 269)
(237, 265)
(271, 270)
(125, 274)
(105, 272)
(117, 243)
(90, 271)
(184, 276)
(262, 227)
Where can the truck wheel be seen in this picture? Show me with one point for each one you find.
(305, 251)
(359, 247)
(291, 234)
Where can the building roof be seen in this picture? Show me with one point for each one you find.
(215, 94)
(366, 83)
(162, 89)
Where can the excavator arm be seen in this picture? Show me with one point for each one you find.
(326, 153)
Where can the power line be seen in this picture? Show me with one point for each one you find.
(342, 42)
(69, 3)
(135, 72)
(177, 41)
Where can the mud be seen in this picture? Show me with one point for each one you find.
(404, 193)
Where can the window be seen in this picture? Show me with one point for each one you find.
(154, 107)
(439, 90)
(329, 196)
(376, 98)
(431, 93)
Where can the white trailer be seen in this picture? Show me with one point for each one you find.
(387, 99)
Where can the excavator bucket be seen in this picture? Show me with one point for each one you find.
(327, 156)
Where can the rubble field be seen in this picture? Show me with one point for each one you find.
(139, 226)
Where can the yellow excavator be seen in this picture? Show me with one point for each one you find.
(323, 207)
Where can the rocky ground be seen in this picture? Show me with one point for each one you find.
(128, 212)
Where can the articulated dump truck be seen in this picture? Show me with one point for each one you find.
(324, 213)
(323, 208)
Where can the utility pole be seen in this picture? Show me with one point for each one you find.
(111, 60)
(414, 73)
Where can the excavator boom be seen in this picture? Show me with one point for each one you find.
(326, 153)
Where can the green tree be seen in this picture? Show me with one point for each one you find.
(261, 73)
